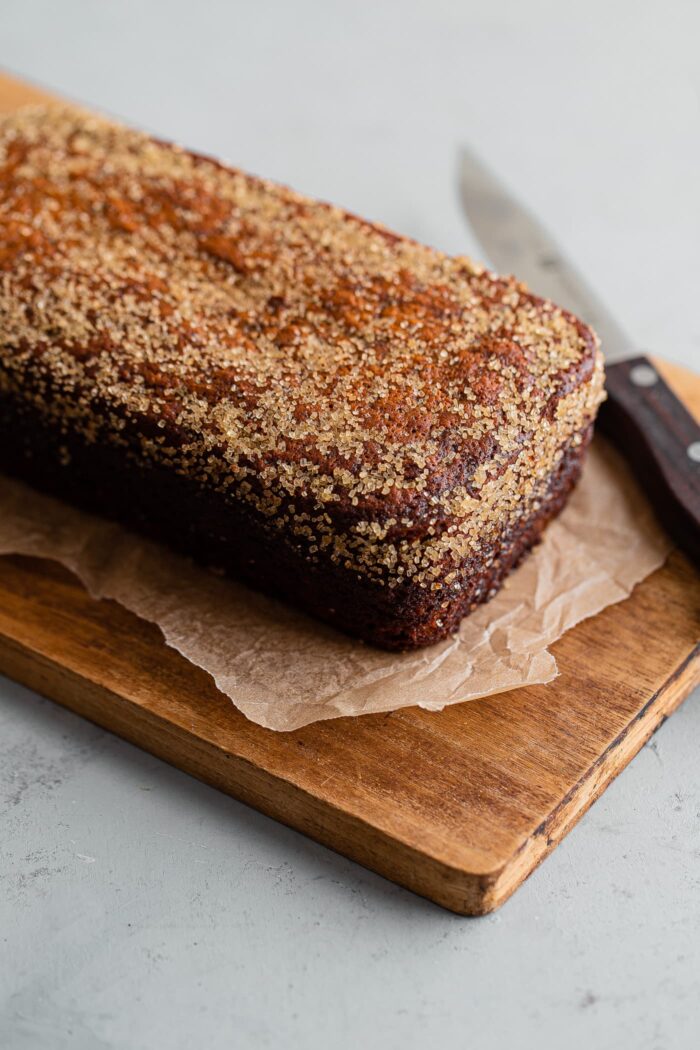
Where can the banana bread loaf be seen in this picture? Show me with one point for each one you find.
(339, 416)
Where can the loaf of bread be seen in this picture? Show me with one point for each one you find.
(338, 416)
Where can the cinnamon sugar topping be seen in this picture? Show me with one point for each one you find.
(386, 404)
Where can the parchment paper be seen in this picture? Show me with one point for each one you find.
(283, 670)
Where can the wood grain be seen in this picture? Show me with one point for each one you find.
(459, 806)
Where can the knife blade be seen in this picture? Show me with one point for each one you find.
(642, 415)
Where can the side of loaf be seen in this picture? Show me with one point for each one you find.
(341, 417)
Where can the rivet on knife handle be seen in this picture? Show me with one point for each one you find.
(661, 442)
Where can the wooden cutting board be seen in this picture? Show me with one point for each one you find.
(459, 806)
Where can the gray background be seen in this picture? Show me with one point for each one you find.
(140, 909)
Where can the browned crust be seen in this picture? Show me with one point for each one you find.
(390, 414)
(219, 533)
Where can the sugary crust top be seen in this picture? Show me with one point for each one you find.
(259, 339)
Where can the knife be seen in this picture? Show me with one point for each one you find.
(642, 415)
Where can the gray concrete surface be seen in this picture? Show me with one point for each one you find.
(140, 909)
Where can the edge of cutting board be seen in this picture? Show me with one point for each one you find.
(265, 769)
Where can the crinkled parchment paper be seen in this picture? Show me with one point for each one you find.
(283, 670)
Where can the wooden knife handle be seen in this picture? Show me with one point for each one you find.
(661, 441)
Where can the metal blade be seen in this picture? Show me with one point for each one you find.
(516, 243)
